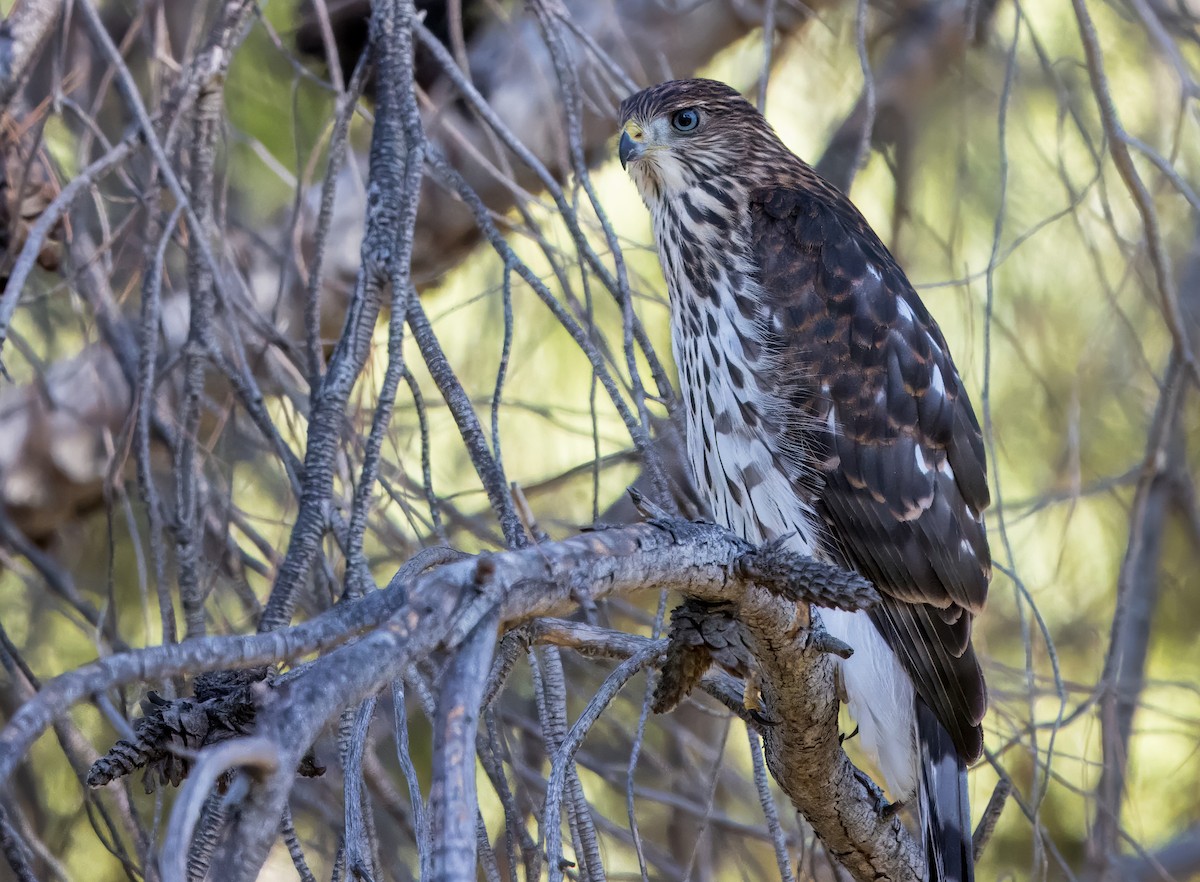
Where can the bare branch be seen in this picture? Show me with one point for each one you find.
(453, 806)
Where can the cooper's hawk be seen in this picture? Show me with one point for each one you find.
(822, 403)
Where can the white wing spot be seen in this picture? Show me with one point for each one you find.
(937, 384)
(922, 467)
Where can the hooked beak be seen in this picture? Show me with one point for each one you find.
(631, 147)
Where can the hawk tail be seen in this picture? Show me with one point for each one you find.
(945, 808)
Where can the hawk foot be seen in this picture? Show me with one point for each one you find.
(762, 719)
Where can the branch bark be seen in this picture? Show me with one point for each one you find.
(453, 805)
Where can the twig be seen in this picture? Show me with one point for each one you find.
(1119, 150)
(562, 763)
(490, 472)
(991, 815)
(254, 753)
(16, 853)
(404, 756)
(1136, 601)
(770, 811)
(49, 218)
(292, 840)
(358, 851)
(207, 122)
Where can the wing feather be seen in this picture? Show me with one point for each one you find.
(884, 415)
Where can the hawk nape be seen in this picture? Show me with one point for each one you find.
(822, 403)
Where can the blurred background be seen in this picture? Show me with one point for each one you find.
(1033, 166)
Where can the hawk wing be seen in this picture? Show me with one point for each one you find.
(882, 418)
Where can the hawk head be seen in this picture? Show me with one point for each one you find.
(680, 133)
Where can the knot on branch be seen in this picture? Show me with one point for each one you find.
(701, 633)
(805, 580)
(171, 731)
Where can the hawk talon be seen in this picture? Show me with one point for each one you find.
(761, 718)
(753, 703)
(880, 804)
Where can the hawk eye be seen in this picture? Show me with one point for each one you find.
(685, 120)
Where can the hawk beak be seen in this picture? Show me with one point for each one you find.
(631, 147)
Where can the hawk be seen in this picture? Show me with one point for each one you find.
(823, 405)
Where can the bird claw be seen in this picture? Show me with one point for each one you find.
(651, 512)
(752, 701)
(762, 719)
(881, 805)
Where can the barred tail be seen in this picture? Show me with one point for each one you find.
(945, 808)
